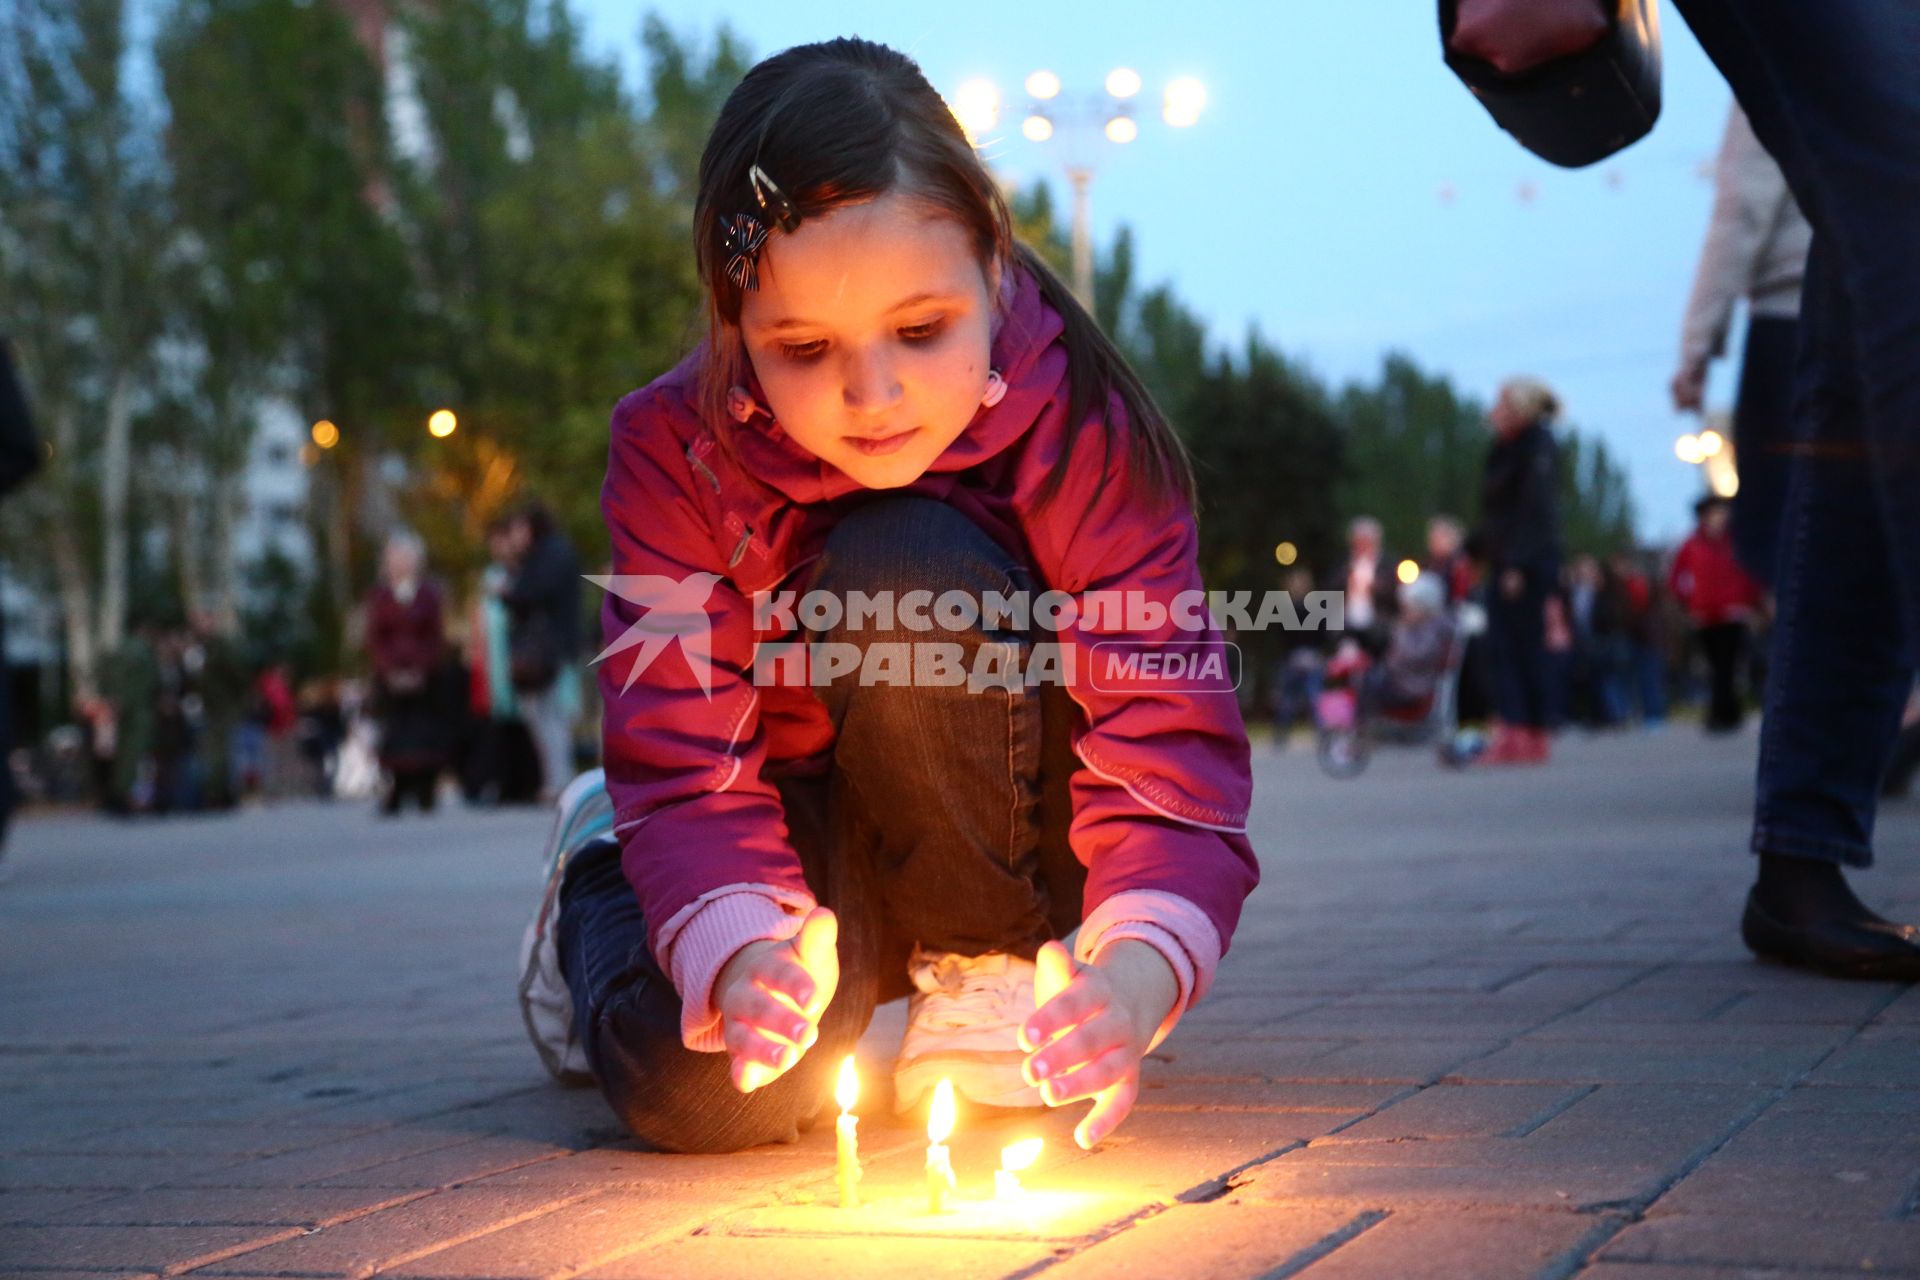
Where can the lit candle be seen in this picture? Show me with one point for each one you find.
(847, 1144)
(939, 1129)
(1006, 1179)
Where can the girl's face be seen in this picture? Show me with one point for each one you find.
(870, 334)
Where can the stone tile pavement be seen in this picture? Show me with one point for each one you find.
(1473, 1026)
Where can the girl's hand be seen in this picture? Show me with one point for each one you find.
(770, 997)
(1092, 1027)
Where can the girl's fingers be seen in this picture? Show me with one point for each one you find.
(1103, 1072)
(750, 1048)
(1109, 1109)
(1086, 998)
(1052, 972)
(783, 978)
(1075, 1049)
(762, 1011)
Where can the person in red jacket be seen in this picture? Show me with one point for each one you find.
(1719, 598)
(895, 398)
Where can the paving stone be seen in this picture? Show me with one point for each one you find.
(1769, 1240)
(233, 1206)
(937, 1258)
(1532, 1059)
(1172, 1093)
(449, 1166)
(395, 1236)
(1468, 1173)
(44, 1206)
(1465, 1111)
(329, 1160)
(106, 1172)
(1803, 1163)
(1411, 1245)
(1230, 1239)
(1878, 1056)
(575, 1237)
(129, 1248)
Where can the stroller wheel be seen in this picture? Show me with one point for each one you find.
(1342, 753)
(1461, 748)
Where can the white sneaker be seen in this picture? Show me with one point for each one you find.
(963, 1025)
(582, 814)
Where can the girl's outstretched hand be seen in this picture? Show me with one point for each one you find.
(770, 997)
(1091, 1027)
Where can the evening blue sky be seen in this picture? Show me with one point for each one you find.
(1309, 201)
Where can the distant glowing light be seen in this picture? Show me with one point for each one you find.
(1043, 85)
(1123, 82)
(1037, 128)
(976, 105)
(1408, 573)
(1286, 553)
(1183, 102)
(1121, 129)
(442, 424)
(325, 434)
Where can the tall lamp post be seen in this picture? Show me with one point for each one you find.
(1078, 123)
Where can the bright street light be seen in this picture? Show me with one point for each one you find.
(1688, 449)
(1123, 82)
(976, 105)
(1037, 128)
(1286, 553)
(1185, 98)
(1122, 129)
(442, 424)
(325, 434)
(1043, 85)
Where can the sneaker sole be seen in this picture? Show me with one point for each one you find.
(582, 813)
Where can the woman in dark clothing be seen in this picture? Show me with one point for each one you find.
(1520, 534)
(405, 641)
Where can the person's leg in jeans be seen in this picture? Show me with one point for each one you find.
(1721, 645)
(963, 788)
(942, 822)
(1832, 94)
(1762, 442)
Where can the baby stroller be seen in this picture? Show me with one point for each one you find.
(1349, 722)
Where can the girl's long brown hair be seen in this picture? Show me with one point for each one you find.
(846, 121)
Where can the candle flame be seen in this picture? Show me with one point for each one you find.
(847, 1091)
(1021, 1154)
(940, 1116)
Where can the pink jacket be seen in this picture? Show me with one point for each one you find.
(1160, 809)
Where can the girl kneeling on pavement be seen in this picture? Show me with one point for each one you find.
(894, 397)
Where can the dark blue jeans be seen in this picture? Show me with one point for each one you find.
(1763, 442)
(1517, 654)
(940, 820)
(1833, 90)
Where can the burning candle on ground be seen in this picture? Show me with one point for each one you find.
(847, 1141)
(1006, 1179)
(939, 1164)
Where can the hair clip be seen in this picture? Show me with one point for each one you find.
(744, 236)
(773, 201)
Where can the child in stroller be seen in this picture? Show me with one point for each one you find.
(1407, 696)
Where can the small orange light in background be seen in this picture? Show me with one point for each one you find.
(1408, 573)
(325, 434)
(1286, 553)
(442, 424)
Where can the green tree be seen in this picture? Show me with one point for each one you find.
(84, 243)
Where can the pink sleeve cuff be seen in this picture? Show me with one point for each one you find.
(722, 923)
(1171, 925)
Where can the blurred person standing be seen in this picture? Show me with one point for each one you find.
(19, 458)
(1756, 249)
(1719, 597)
(543, 602)
(406, 637)
(1368, 584)
(1447, 557)
(1520, 538)
(1645, 650)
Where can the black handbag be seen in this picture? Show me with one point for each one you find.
(1580, 108)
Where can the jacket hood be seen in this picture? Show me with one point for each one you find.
(1025, 348)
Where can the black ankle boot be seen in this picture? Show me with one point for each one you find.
(1802, 912)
